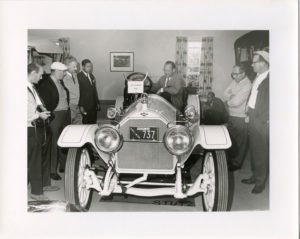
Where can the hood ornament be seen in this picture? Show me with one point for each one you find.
(144, 113)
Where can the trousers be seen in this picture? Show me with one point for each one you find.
(76, 117)
(238, 130)
(259, 149)
(61, 120)
(38, 158)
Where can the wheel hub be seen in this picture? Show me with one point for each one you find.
(209, 182)
(83, 177)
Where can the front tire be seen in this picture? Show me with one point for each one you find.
(75, 186)
(217, 196)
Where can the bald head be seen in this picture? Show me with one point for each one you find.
(71, 63)
(238, 72)
(34, 73)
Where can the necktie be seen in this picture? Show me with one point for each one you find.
(73, 79)
(167, 79)
(88, 76)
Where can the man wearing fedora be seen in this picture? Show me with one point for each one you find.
(56, 97)
(258, 110)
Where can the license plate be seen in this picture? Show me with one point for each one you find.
(143, 133)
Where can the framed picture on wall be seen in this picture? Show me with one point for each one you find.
(122, 61)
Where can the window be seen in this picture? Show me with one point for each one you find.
(193, 63)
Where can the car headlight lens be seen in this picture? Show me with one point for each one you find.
(111, 113)
(108, 139)
(178, 140)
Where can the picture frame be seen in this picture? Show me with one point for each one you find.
(121, 61)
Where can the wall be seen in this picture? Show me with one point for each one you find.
(151, 49)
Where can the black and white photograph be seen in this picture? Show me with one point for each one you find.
(149, 123)
(185, 142)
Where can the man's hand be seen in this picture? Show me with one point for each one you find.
(82, 110)
(44, 115)
(161, 90)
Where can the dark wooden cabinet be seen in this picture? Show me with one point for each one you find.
(246, 45)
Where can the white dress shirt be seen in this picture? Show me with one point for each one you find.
(33, 100)
(88, 76)
(253, 95)
(35, 94)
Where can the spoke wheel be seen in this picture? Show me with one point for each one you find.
(216, 197)
(76, 190)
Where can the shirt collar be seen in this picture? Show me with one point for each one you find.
(242, 81)
(263, 75)
(86, 74)
(30, 85)
(170, 76)
(69, 73)
(54, 79)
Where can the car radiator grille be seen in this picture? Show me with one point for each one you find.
(143, 156)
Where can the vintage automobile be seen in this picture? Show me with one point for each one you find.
(144, 151)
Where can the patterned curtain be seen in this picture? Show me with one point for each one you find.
(181, 55)
(64, 43)
(206, 66)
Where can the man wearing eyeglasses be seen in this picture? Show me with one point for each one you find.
(258, 109)
(236, 96)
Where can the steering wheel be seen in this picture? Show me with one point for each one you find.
(138, 76)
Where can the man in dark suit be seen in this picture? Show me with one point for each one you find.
(170, 86)
(56, 99)
(258, 110)
(88, 101)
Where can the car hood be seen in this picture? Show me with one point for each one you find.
(155, 107)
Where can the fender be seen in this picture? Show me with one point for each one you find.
(211, 136)
(75, 136)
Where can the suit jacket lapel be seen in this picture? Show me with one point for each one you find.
(91, 82)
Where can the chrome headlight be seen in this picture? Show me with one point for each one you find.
(178, 140)
(108, 139)
(190, 112)
(111, 113)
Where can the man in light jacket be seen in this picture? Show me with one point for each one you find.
(236, 96)
(71, 83)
